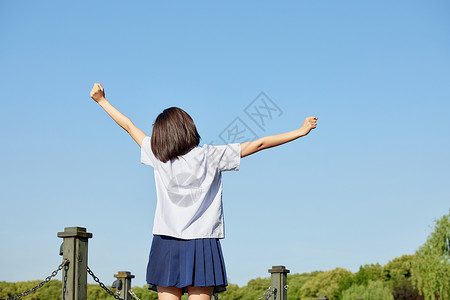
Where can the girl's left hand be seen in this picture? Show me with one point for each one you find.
(97, 92)
(309, 124)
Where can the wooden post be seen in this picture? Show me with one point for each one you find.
(279, 281)
(125, 277)
(75, 249)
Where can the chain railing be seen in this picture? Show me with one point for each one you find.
(77, 239)
(41, 284)
(102, 285)
(54, 273)
(133, 294)
(268, 293)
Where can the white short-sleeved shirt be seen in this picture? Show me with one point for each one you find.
(189, 190)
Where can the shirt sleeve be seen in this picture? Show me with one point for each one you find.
(147, 156)
(227, 157)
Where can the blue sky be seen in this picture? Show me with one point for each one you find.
(364, 187)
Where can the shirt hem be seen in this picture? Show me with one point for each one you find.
(190, 237)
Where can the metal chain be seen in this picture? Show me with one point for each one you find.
(66, 261)
(102, 285)
(216, 297)
(130, 291)
(64, 282)
(269, 292)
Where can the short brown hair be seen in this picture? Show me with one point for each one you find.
(174, 134)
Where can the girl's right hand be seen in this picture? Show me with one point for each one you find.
(97, 92)
(309, 124)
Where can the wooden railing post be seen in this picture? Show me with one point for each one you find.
(75, 249)
(125, 277)
(279, 281)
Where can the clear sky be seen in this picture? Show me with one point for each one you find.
(364, 187)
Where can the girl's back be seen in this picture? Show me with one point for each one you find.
(189, 190)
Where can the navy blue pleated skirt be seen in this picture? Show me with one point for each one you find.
(181, 263)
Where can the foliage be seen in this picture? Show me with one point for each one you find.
(398, 275)
(325, 284)
(233, 292)
(368, 273)
(94, 291)
(253, 290)
(296, 282)
(432, 264)
(51, 290)
(404, 290)
(374, 290)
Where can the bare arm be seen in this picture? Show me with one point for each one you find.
(97, 93)
(266, 142)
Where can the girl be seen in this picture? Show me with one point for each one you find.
(185, 255)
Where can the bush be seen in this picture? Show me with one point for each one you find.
(375, 290)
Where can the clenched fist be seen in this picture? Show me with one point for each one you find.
(97, 92)
(309, 124)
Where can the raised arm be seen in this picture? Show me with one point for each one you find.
(98, 94)
(249, 148)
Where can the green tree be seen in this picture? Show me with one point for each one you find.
(51, 290)
(325, 284)
(432, 265)
(95, 292)
(233, 292)
(375, 290)
(399, 268)
(296, 282)
(254, 289)
(368, 273)
(7, 289)
(398, 276)
(405, 290)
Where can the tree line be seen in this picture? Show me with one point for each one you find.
(422, 276)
